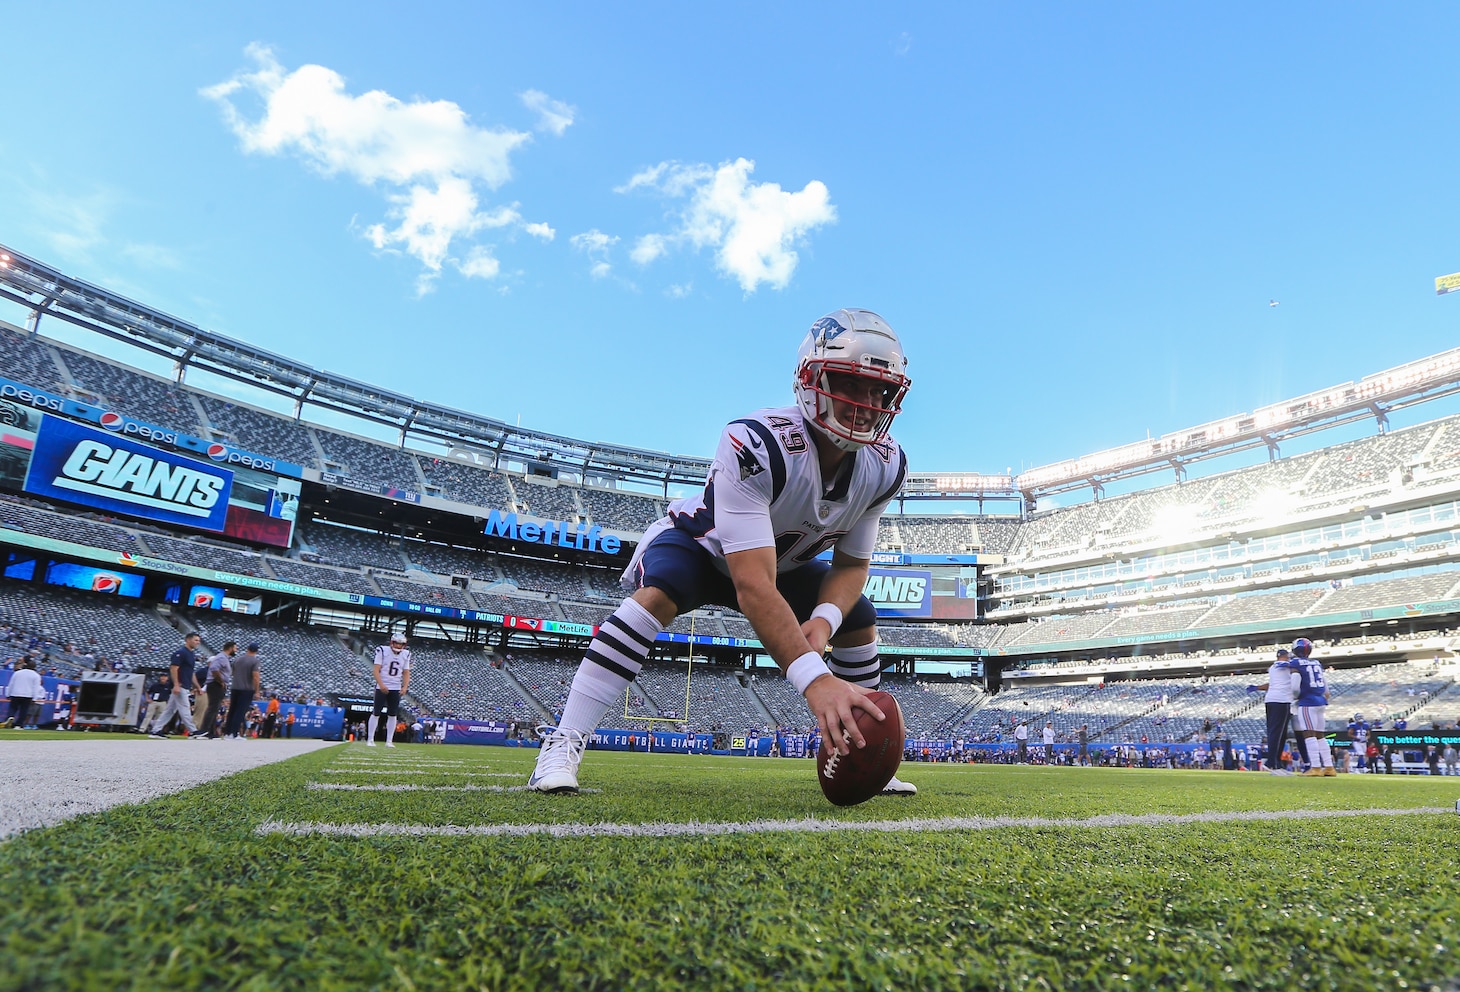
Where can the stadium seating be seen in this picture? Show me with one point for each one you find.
(550, 502)
(265, 433)
(368, 461)
(620, 511)
(464, 483)
(348, 546)
(136, 394)
(33, 517)
(28, 359)
(110, 630)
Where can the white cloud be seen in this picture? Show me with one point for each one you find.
(480, 264)
(552, 115)
(648, 248)
(679, 291)
(902, 44)
(540, 231)
(753, 227)
(426, 157)
(595, 244)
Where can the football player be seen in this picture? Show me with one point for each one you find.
(785, 485)
(1310, 708)
(392, 676)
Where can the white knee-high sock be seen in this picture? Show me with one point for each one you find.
(389, 731)
(612, 661)
(1325, 751)
(374, 722)
(860, 664)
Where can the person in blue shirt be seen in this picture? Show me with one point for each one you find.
(183, 668)
(1310, 708)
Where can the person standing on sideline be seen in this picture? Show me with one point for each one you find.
(1452, 757)
(1280, 686)
(24, 689)
(1310, 710)
(215, 684)
(392, 676)
(157, 695)
(786, 485)
(246, 685)
(1085, 744)
(1049, 742)
(289, 723)
(183, 669)
(1021, 737)
(271, 717)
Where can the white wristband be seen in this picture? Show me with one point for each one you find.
(831, 613)
(805, 670)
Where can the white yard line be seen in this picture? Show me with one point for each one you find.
(414, 771)
(343, 787)
(813, 826)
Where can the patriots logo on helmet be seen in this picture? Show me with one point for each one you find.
(749, 465)
(827, 328)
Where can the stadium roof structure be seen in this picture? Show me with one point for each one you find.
(46, 290)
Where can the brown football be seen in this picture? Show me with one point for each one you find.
(848, 779)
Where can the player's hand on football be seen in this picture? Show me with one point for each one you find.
(831, 701)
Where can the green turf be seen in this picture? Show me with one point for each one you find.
(184, 893)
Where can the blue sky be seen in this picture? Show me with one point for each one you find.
(618, 223)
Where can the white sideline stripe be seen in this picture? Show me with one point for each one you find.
(344, 787)
(400, 764)
(417, 771)
(810, 826)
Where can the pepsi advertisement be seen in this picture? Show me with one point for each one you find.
(79, 464)
(19, 394)
(112, 581)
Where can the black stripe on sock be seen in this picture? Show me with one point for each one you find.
(619, 624)
(605, 662)
(605, 637)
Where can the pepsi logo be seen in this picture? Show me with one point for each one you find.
(217, 452)
(112, 421)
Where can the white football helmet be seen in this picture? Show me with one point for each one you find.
(859, 344)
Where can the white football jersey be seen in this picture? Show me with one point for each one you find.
(765, 491)
(393, 665)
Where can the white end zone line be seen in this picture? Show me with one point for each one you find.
(811, 826)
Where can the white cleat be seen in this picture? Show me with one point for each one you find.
(896, 787)
(389, 744)
(369, 743)
(557, 762)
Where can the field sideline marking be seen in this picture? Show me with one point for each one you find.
(345, 787)
(810, 826)
(414, 771)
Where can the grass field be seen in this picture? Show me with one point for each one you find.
(725, 873)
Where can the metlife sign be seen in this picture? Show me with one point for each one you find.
(900, 592)
(111, 472)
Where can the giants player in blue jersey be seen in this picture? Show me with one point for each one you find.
(1310, 708)
(785, 485)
